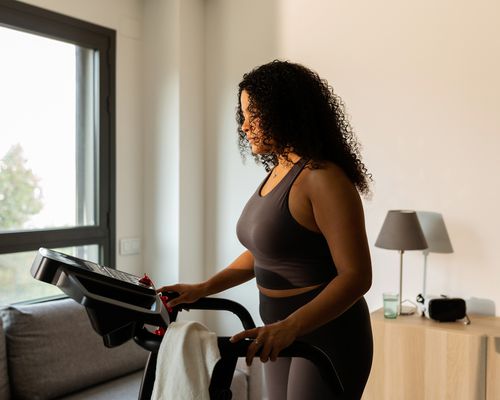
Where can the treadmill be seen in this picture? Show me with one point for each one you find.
(121, 307)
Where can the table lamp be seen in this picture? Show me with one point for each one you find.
(401, 231)
(436, 236)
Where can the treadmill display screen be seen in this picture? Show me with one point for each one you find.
(92, 267)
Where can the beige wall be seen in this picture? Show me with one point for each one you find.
(420, 83)
(239, 35)
(421, 86)
(174, 141)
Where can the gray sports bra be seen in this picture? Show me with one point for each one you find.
(287, 255)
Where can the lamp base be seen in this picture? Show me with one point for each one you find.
(409, 310)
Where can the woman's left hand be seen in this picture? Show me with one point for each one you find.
(270, 338)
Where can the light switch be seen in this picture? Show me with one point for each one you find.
(130, 246)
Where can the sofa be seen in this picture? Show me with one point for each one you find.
(48, 350)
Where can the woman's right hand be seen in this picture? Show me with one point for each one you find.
(188, 293)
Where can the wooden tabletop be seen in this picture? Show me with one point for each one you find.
(480, 324)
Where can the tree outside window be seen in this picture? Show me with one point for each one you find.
(20, 193)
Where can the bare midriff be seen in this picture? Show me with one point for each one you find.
(286, 292)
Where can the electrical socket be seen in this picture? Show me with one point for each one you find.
(130, 246)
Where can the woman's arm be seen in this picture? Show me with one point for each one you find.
(338, 213)
(236, 273)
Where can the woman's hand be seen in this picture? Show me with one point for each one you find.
(270, 338)
(188, 293)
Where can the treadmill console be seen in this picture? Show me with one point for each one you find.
(49, 262)
(118, 303)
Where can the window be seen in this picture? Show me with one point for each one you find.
(57, 143)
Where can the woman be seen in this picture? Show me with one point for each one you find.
(304, 233)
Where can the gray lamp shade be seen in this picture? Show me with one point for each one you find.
(435, 232)
(401, 231)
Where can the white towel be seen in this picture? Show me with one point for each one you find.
(186, 359)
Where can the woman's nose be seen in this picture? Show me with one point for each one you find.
(245, 127)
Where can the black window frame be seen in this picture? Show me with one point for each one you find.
(36, 20)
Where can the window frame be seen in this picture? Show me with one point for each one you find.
(31, 19)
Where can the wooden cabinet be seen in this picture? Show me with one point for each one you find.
(419, 359)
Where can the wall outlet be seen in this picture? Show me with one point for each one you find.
(130, 246)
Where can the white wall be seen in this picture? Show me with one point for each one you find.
(174, 156)
(174, 141)
(421, 86)
(239, 35)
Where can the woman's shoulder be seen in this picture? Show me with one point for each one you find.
(327, 177)
(325, 172)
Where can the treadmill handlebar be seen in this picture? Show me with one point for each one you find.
(215, 303)
(151, 342)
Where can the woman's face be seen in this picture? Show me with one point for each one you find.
(251, 127)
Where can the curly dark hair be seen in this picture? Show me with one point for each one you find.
(298, 111)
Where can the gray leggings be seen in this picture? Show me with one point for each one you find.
(347, 340)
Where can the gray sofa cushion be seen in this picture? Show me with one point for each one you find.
(53, 351)
(124, 388)
(4, 379)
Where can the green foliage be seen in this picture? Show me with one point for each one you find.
(20, 193)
